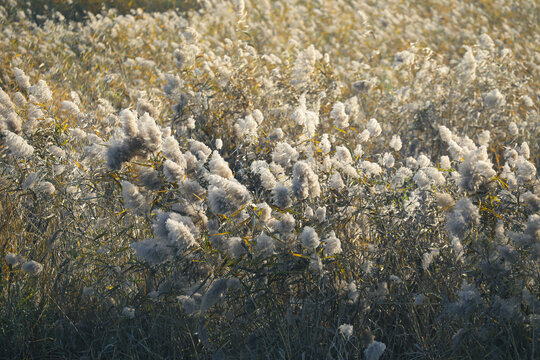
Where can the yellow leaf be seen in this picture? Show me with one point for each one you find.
(343, 131)
(79, 165)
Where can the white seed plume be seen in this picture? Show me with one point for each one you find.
(32, 267)
(22, 79)
(332, 244)
(17, 145)
(305, 182)
(346, 330)
(340, 117)
(375, 350)
(309, 238)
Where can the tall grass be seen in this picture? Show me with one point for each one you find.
(258, 180)
(77, 10)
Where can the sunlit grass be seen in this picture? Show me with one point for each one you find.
(252, 179)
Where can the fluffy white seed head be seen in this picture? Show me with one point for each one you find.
(445, 133)
(400, 176)
(364, 136)
(527, 101)
(129, 122)
(374, 350)
(305, 182)
(70, 107)
(284, 154)
(41, 92)
(494, 99)
(444, 200)
(525, 171)
(153, 251)
(483, 138)
(524, 150)
(264, 211)
(513, 129)
(266, 245)
(388, 160)
(423, 161)
(304, 66)
(475, 170)
(133, 199)
(32, 267)
(171, 150)
(220, 167)
(336, 182)
(332, 244)
(281, 196)
(128, 312)
(199, 150)
(17, 145)
(246, 129)
(371, 168)
(14, 259)
(234, 247)
(214, 294)
(219, 144)
(309, 238)
(466, 70)
(346, 330)
(308, 119)
(320, 214)
(464, 216)
(395, 143)
(286, 224)
(180, 235)
(445, 163)
(421, 179)
(47, 188)
(22, 79)
(19, 100)
(374, 128)
(428, 257)
(340, 117)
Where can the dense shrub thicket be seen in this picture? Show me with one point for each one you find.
(271, 179)
(77, 10)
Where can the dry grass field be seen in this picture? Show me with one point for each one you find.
(269, 179)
